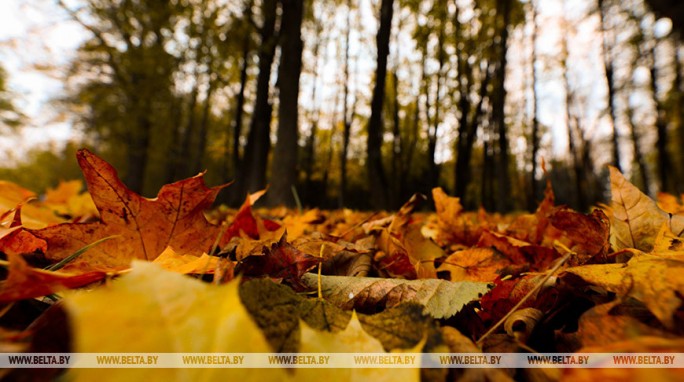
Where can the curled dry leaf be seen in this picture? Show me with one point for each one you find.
(439, 298)
(522, 322)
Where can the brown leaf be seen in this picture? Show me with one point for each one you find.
(589, 233)
(282, 261)
(439, 298)
(145, 226)
(636, 217)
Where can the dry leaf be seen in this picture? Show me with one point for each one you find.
(655, 281)
(145, 226)
(636, 217)
(150, 310)
(439, 298)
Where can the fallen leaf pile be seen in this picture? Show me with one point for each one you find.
(111, 271)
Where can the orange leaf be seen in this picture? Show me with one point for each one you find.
(26, 282)
(145, 226)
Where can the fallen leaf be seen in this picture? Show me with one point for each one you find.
(25, 282)
(35, 214)
(186, 264)
(653, 280)
(474, 264)
(589, 234)
(150, 310)
(145, 226)
(353, 339)
(282, 261)
(439, 298)
(636, 217)
(68, 200)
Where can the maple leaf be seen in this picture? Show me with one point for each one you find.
(440, 298)
(653, 280)
(636, 217)
(247, 223)
(25, 282)
(145, 226)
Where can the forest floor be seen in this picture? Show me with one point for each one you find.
(108, 271)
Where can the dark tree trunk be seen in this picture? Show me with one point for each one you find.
(138, 151)
(534, 136)
(284, 164)
(252, 175)
(346, 119)
(610, 81)
(377, 180)
(396, 141)
(578, 175)
(636, 146)
(665, 168)
(433, 169)
(240, 101)
(203, 131)
(498, 112)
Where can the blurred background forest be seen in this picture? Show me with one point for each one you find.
(360, 103)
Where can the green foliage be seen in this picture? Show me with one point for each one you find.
(44, 168)
(9, 114)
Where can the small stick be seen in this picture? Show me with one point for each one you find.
(530, 293)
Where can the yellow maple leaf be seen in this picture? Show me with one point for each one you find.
(151, 310)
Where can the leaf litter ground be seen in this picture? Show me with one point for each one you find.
(168, 275)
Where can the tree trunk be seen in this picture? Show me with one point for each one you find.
(665, 167)
(201, 148)
(534, 136)
(636, 146)
(284, 164)
(498, 112)
(347, 120)
(252, 176)
(575, 164)
(433, 169)
(376, 175)
(240, 102)
(610, 81)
